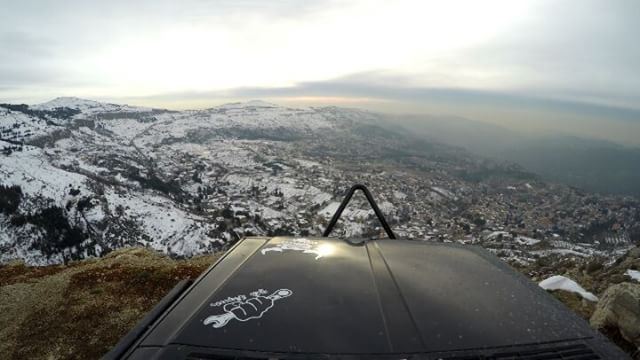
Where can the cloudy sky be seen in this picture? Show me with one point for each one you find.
(525, 62)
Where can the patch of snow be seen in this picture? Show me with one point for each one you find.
(37, 177)
(330, 209)
(559, 252)
(308, 163)
(399, 195)
(17, 126)
(170, 229)
(248, 104)
(495, 234)
(386, 207)
(127, 129)
(559, 282)
(442, 191)
(321, 198)
(523, 240)
(634, 274)
(269, 213)
(86, 106)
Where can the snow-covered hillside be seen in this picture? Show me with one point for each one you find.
(87, 107)
(79, 178)
(113, 171)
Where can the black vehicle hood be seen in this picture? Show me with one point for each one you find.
(327, 296)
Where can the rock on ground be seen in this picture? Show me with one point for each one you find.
(619, 308)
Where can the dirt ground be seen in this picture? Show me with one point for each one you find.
(81, 310)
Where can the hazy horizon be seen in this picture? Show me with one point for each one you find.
(541, 127)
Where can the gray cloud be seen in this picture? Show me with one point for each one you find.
(23, 59)
(19, 43)
(569, 49)
(347, 87)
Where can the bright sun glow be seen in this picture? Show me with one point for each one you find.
(325, 250)
(258, 51)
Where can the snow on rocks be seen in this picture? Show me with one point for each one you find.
(399, 195)
(634, 274)
(497, 234)
(559, 282)
(523, 240)
(168, 227)
(330, 209)
(37, 177)
(86, 106)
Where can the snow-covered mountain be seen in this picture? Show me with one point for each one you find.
(80, 178)
(86, 106)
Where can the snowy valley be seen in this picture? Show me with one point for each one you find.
(81, 178)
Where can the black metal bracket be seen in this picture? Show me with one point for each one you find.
(373, 204)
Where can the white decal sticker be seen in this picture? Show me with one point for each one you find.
(243, 308)
(301, 244)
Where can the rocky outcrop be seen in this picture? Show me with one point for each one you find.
(619, 307)
(617, 314)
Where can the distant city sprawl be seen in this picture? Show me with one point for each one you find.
(81, 178)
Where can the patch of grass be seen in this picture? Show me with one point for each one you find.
(575, 302)
(20, 273)
(81, 311)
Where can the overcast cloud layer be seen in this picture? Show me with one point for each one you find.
(569, 55)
